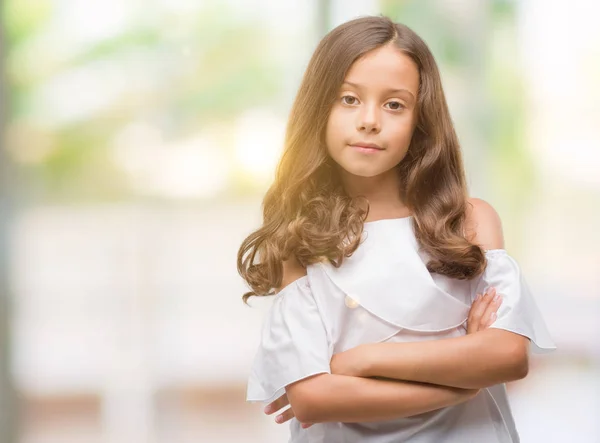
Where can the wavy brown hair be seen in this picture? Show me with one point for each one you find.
(307, 214)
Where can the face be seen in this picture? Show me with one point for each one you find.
(375, 105)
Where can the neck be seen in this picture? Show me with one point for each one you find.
(381, 191)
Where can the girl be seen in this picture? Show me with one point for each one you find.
(376, 254)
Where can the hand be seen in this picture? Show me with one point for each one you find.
(483, 311)
(286, 415)
(467, 394)
(350, 362)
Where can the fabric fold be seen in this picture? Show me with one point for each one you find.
(518, 312)
(387, 277)
(293, 344)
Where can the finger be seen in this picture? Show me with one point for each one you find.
(277, 404)
(306, 425)
(472, 312)
(486, 311)
(490, 315)
(286, 415)
(477, 310)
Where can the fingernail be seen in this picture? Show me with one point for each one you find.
(267, 409)
(279, 418)
(496, 297)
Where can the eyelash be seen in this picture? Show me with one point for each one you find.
(400, 108)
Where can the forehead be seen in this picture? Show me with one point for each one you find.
(385, 68)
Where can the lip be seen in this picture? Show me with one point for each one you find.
(367, 145)
(368, 148)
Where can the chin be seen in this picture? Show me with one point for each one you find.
(362, 172)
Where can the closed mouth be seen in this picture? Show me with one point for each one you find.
(367, 146)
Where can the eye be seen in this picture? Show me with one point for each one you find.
(397, 106)
(352, 98)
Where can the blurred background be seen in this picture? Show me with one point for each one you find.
(138, 138)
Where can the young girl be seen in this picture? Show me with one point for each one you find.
(376, 256)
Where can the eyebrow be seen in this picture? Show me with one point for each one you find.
(357, 86)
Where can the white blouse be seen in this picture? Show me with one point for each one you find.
(384, 293)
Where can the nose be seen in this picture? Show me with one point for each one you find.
(368, 119)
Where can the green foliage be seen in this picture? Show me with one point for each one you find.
(22, 18)
(201, 69)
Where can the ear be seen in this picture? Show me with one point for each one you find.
(483, 226)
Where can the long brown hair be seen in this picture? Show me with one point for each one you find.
(308, 216)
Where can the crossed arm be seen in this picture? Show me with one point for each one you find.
(474, 361)
(333, 397)
(381, 381)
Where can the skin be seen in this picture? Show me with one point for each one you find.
(490, 357)
(481, 316)
(376, 104)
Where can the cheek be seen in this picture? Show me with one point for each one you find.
(404, 134)
(402, 131)
(335, 130)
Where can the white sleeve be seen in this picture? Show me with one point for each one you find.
(293, 344)
(518, 312)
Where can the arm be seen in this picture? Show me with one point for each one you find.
(474, 361)
(329, 397)
(471, 362)
(481, 316)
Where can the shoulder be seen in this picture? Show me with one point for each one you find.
(483, 225)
